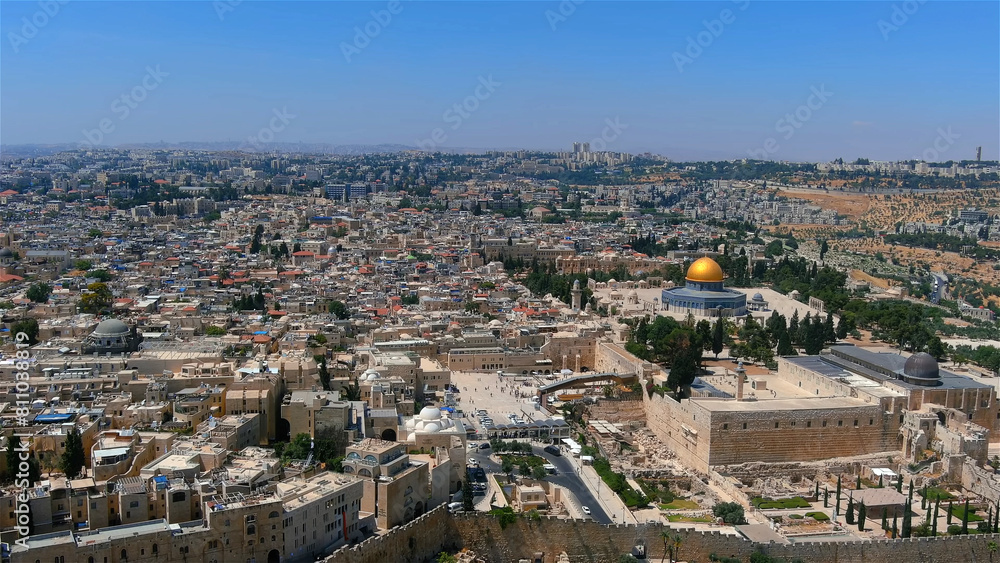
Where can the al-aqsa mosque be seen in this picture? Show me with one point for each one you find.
(703, 294)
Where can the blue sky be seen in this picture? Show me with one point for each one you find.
(224, 70)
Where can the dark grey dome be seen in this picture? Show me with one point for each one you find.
(6, 253)
(921, 366)
(758, 297)
(111, 327)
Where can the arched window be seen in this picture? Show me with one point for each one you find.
(251, 529)
(273, 514)
(156, 549)
(124, 555)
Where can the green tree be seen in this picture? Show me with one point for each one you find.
(83, 265)
(730, 512)
(507, 466)
(718, 337)
(339, 310)
(862, 515)
(785, 345)
(12, 458)
(468, 503)
(538, 473)
(94, 232)
(965, 518)
(39, 292)
(72, 460)
(907, 520)
(215, 331)
(258, 233)
(28, 327)
(850, 510)
(96, 299)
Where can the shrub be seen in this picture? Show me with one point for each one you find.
(954, 530)
(818, 516)
(795, 516)
(730, 512)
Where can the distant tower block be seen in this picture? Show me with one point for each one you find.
(577, 293)
(979, 154)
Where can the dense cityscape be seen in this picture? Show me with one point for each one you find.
(499, 282)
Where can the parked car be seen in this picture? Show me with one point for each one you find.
(586, 510)
(484, 446)
(553, 450)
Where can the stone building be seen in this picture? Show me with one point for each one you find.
(846, 402)
(112, 336)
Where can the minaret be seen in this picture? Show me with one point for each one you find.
(740, 374)
(576, 292)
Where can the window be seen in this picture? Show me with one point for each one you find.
(793, 423)
(824, 424)
(840, 423)
(871, 421)
(855, 423)
(776, 424)
(744, 426)
(155, 549)
(725, 426)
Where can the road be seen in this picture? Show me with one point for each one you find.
(565, 477)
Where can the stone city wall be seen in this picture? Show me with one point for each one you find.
(414, 542)
(588, 541)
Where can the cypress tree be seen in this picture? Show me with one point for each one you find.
(817, 490)
(880, 484)
(923, 499)
(857, 485)
(909, 495)
(862, 515)
(907, 520)
(899, 484)
(996, 523)
(885, 518)
(895, 527)
(826, 497)
(850, 510)
(965, 518)
(951, 509)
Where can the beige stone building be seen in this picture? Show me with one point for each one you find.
(396, 488)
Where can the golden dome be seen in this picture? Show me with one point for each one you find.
(704, 270)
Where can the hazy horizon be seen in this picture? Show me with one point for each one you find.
(689, 80)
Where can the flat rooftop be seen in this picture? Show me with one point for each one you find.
(799, 403)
